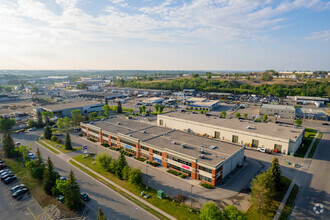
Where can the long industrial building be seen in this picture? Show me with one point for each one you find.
(199, 157)
(282, 137)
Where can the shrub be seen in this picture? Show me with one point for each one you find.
(140, 159)
(206, 185)
(154, 164)
(54, 138)
(58, 140)
(182, 176)
(80, 135)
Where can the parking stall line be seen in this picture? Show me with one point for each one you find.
(31, 213)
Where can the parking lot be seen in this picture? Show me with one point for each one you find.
(24, 207)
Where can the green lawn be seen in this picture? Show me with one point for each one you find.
(289, 203)
(309, 136)
(173, 208)
(61, 146)
(318, 138)
(253, 213)
(49, 148)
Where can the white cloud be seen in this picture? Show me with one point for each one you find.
(322, 36)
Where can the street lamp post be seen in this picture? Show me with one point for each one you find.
(147, 176)
(132, 212)
(191, 186)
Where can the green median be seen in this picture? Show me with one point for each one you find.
(317, 140)
(289, 203)
(168, 204)
(49, 148)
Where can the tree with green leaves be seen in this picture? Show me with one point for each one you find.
(32, 123)
(35, 89)
(59, 188)
(66, 123)
(126, 172)
(245, 115)
(210, 212)
(93, 115)
(266, 77)
(106, 110)
(131, 111)
(157, 107)
(60, 124)
(238, 115)
(135, 176)
(39, 121)
(275, 172)
(263, 191)
(161, 108)
(232, 213)
(119, 108)
(72, 193)
(103, 160)
(265, 118)
(67, 142)
(298, 122)
(223, 114)
(8, 145)
(143, 108)
(77, 117)
(23, 151)
(121, 163)
(106, 100)
(36, 171)
(49, 177)
(140, 110)
(6, 124)
(100, 215)
(208, 75)
(48, 132)
(47, 115)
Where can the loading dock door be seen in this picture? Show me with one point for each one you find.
(255, 143)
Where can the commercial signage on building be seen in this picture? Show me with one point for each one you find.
(127, 146)
(186, 167)
(157, 160)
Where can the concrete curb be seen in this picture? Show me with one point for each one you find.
(124, 190)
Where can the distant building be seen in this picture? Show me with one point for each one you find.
(202, 103)
(189, 92)
(63, 110)
(310, 113)
(152, 100)
(4, 98)
(284, 111)
(310, 100)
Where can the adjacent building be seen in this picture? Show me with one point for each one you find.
(282, 137)
(153, 100)
(309, 100)
(195, 156)
(202, 103)
(284, 111)
(63, 110)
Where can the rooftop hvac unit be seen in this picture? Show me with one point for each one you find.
(201, 150)
(248, 127)
(118, 123)
(183, 145)
(144, 132)
(212, 147)
(201, 156)
(173, 142)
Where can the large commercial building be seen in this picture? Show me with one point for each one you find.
(63, 110)
(201, 103)
(199, 157)
(284, 138)
(284, 111)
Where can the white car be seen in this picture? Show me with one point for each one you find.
(32, 129)
(31, 155)
(262, 149)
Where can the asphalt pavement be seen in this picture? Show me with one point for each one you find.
(113, 205)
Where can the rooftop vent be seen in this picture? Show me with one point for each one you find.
(183, 145)
(212, 147)
(201, 156)
(248, 127)
(173, 142)
(201, 151)
(118, 123)
(144, 131)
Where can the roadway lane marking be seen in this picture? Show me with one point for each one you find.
(31, 213)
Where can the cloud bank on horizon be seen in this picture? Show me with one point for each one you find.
(167, 34)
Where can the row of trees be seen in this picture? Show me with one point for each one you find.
(310, 88)
(119, 167)
(212, 212)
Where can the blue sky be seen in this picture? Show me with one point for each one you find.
(165, 34)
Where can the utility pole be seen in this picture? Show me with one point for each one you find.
(191, 186)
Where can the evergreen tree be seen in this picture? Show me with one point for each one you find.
(39, 160)
(119, 108)
(48, 132)
(67, 142)
(275, 172)
(265, 118)
(121, 163)
(8, 145)
(39, 116)
(49, 177)
(157, 107)
(100, 215)
(72, 193)
(161, 108)
(106, 101)
(263, 192)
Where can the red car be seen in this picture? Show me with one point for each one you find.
(2, 166)
(20, 131)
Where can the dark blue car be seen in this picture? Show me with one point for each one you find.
(10, 179)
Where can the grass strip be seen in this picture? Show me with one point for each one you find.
(253, 211)
(318, 138)
(142, 205)
(289, 203)
(308, 138)
(168, 204)
(49, 148)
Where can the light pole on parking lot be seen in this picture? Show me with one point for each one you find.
(191, 186)
(147, 175)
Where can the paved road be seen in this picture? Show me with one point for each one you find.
(113, 205)
(315, 187)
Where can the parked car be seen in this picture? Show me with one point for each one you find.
(262, 149)
(3, 171)
(17, 144)
(6, 176)
(62, 178)
(6, 173)
(77, 129)
(325, 123)
(84, 196)
(20, 131)
(10, 179)
(17, 187)
(32, 129)
(2, 166)
(31, 155)
(20, 192)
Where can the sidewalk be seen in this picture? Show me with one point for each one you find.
(124, 190)
(285, 198)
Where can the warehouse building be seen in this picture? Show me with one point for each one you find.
(153, 100)
(63, 110)
(199, 157)
(284, 111)
(201, 104)
(279, 137)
